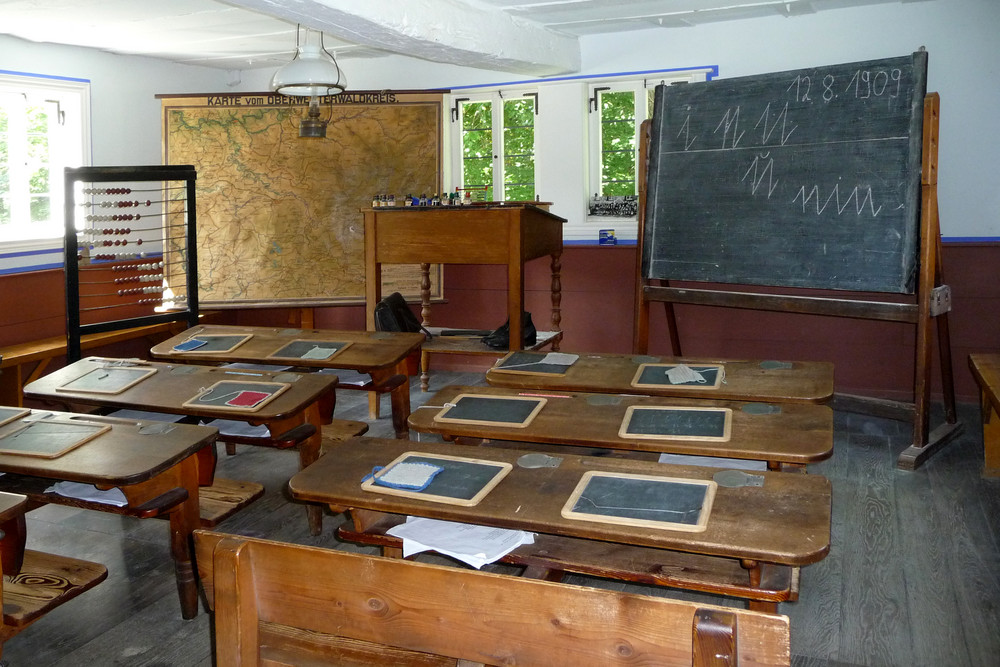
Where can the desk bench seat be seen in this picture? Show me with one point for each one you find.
(986, 370)
(552, 556)
(216, 503)
(44, 582)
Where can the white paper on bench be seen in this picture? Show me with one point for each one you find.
(469, 543)
(113, 496)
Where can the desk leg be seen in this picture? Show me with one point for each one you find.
(399, 398)
(183, 520)
(13, 536)
(991, 439)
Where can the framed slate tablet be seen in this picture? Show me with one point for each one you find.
(650, 501)
(50, 438)
(535, 363)
(701, 376)
(220, 343)
(10, 414)
(491, 410)
(462, 481)
(677, 423)
(310, 349)
(238, 395)
(108, 379)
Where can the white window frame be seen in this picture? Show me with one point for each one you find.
(642, 88)
(497, 97)
(73, 96)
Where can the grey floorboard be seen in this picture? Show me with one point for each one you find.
(912, 577)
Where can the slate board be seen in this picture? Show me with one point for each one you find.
(464, 481)
(650, 501)
(708, 424)
(310, 349)
(490, 410)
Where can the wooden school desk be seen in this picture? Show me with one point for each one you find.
(986, 370)
(500, 234)
(755, 536)
(789, 434)
(383, 355)
(172, 385)
(767, 381)
(156, 465)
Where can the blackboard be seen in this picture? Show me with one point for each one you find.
(310, 349)
(807, 178)
(238, 395)
(658, 375)
(650, 501)
(511, 411)
(464, 481)
(677, 423)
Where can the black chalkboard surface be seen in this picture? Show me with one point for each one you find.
(512, 411)
(806, 178)
(663, 422)
(642, 500)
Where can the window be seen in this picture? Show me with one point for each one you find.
(44, 127)
(617, 109)
(496, 140)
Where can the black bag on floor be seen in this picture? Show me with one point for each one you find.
(392, 314)
(500, 338)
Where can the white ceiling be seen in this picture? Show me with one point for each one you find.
(537, 37)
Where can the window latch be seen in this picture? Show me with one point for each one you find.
(592, 106)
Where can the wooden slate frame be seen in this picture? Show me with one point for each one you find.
(596, 477)
(115, 380)
(8, 414)
(432, 492)
(930, 304)
(641, 378)
(274, 389)
(628, 427)
(452, 414)
(229, 342)
(40, 445)
(338, 347)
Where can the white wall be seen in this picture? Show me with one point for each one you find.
(961, 36)
(125, 114)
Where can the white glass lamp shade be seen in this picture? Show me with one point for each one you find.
(313, 72)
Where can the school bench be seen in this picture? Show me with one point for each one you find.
(986, 370)
(271, 608)
(34, 583)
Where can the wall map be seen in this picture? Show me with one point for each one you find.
(278, 216)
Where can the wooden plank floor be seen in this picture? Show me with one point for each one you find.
(913, 576)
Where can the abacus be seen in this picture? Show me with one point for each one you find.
(130, 249)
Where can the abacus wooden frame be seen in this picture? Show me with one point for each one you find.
(163, 173)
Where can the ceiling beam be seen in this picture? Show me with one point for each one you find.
(444, 31)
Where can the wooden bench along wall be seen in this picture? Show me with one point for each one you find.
(278, 603)
(986, 370)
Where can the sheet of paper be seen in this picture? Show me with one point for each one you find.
(88, 492)
(469, 543)
(348, 376)
(559, 359)
(233, 427)
(713, 462)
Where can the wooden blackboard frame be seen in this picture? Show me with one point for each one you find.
(929, 305)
